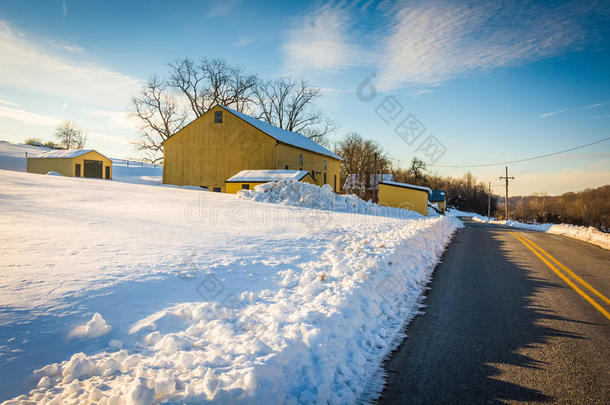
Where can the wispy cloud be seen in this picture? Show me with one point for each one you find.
(66, 47)
(115, 119)
(64, 8)
(433, 41)
(601, 117)
(221, 8)
(552, 113)
(423, 91)
(29, 117)
(7, 102)
(596, 105)
(320, 41)
(26, 66)
(243, 41)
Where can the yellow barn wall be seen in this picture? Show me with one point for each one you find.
(67, 166)
(233, 188)
(288, 156)
(205, 153)
(401, 197)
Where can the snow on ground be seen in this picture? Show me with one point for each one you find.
(201, 297)
(586, 234)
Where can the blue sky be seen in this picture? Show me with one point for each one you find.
(492, 82)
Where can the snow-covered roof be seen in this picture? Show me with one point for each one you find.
(63, 154)
(284, 136)
(263, 176)
(405, 185)
(437, 196)
(351, 181)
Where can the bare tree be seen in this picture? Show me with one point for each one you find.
(210, 83)
(287, 104)
(363, 158)
(70, 136)
(417, 169)
(160, 115)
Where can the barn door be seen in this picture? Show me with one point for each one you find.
(107, 172)
(93, 168)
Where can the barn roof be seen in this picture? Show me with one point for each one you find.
(284, 136)
(405, 185)
(437, 196)
(63, 154)
(263, 176)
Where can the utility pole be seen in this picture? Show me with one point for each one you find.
(489, 201)
(506, 197)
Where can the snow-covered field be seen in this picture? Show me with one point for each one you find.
(130, 293)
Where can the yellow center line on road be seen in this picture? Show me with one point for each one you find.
(563, 277)
(570, 272)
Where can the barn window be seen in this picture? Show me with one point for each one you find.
(216, 189)
(245, 187)
(335, 183)
(324, 164)
(286, 167)
(218, 117)
(324, 177)
(301, 161)
(77, 170)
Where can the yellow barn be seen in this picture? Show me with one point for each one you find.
(72, 163)
(402, 195)
(248, 179)
(223, 142)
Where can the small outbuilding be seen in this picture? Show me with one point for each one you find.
(402, 195)
(438, 197)
(72, 163)
(247, 179)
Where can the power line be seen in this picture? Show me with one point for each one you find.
(522, 160)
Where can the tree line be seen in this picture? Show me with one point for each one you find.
(590, 207)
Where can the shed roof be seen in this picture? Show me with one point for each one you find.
(405, 185)
(64, 154)
(263, 176)
(284, 136)
(437, 196)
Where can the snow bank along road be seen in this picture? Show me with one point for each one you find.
(502, 325)
(117, 293)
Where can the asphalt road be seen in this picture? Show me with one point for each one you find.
(502, 327)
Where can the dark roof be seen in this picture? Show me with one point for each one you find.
(437, 196)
